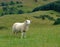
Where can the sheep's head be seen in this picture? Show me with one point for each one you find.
(28, 22)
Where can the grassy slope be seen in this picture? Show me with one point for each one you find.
(41, 33)
(29, 5)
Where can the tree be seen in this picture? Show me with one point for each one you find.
(51, 6)
(12, 3)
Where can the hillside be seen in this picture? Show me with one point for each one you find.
(42, 33)
(8, 20)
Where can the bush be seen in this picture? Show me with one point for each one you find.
(51, 18)
(57, 21)
(4, 4)
(20, 6)
(4, 8)
(17, 2)
(20, 12)
(12, 10)
(12, 3)
(43, 17)
(57, 15)
(2, 14)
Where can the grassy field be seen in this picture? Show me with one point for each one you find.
(40, 34)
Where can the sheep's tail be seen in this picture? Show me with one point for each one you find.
(13, 29)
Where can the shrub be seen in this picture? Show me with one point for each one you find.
(57, 21)
(51, 18)
(13, 10)
(43, 17)
(20, 12)
(3, 27)
(4, 4)
(2, 14)
(51, 13)
(20, 6)
(4, 8)
(58, 15)
(17, 2)
(12, 3)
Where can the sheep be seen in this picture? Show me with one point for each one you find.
(21, 27)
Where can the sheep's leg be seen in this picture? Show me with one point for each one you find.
(15, 33)
(23, 35)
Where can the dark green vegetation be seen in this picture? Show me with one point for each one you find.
(50, 6)
(10, 8)
(57, 21)
(43, 17)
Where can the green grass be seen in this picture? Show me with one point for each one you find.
(37, 36)
(40, 34)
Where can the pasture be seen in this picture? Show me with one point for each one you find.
(40, 34)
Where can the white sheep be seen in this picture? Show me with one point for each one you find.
(21, 27)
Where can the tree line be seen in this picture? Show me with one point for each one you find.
(10, 8)
(51, 6)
